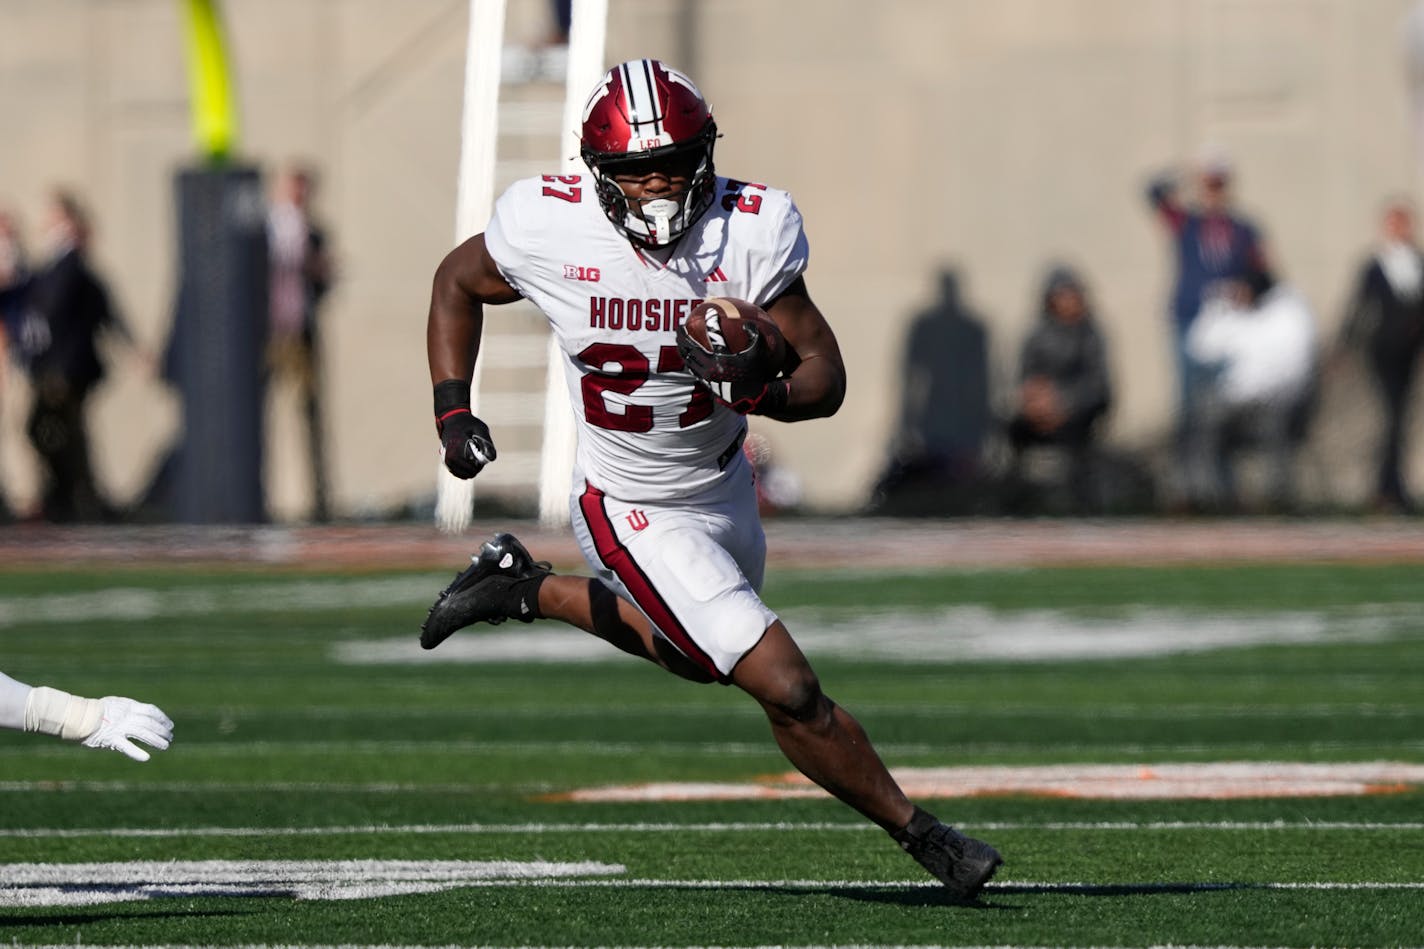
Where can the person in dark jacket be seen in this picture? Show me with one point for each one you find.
(14, 281)
(1064, 384)
(1385, 321)
(67, 308)
(1212, 245)
(300, 273)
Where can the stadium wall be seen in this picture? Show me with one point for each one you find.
(991, 138)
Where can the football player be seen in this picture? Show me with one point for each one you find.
(663, 502)
(111, 722)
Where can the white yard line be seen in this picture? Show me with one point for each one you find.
(1005, 886)
(85, 884)
(321, 787)
(731, 827)
(818, 945)
(88, 884)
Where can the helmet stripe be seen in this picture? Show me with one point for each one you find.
(642, 92)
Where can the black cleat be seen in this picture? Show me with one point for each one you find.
(496, 586)
(961, 863)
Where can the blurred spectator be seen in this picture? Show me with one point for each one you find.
(14, 282)
(1256, 340)
(561, 12)
(14, 272)
(778, 489)
(67, 308)
(1385, 321)
(14, 285)
(300, 274)
(1064, 385)
(936, 454)
(1212, 243)
(547, 58)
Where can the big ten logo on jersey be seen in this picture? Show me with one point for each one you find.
(649, 316)
(589, 274)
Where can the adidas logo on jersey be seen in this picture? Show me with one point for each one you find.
(717, 276)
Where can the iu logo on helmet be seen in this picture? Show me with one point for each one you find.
(637, 519)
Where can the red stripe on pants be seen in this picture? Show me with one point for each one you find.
(617, 558)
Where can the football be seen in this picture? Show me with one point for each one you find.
(720, 326)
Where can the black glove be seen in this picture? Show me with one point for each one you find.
(465, 441)
(467, 444)
(745, 382)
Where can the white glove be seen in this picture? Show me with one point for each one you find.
(122, 719)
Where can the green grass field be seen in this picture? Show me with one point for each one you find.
(327, 786)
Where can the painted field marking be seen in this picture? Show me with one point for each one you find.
(86, 884)
(267, 749)
(562, 946)
(723, 827)
(82, 884)
(1206, 780)
(1007, 886)
(1203, 780)
(138, 603)
(955, 634)
(321, 787)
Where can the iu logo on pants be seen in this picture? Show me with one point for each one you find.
(637, 519)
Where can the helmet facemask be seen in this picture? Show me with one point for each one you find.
(657, 221)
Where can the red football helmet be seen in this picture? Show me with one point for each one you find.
(644, 111)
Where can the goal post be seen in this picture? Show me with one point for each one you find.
(587, 35)
(474, 197)
(479, 130)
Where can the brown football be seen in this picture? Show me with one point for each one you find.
(719, 325)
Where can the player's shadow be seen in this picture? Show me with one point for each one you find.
(1123, 889)
(889, 893)
(989, 898)
(935, 460)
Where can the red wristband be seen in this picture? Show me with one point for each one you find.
(440, 421)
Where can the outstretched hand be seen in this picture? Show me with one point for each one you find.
(124, 719)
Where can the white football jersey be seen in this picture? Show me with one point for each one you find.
(646, 430)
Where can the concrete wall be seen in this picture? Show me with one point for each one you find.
(990, 137)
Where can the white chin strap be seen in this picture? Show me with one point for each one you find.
(657, 217)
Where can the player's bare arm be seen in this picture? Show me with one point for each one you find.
(818, 379)
(465, 281)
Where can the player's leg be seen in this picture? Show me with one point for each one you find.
(828, 745)
(677, 571)
(693, 572)
(822, 739)
(594, 608)
(505, 582)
